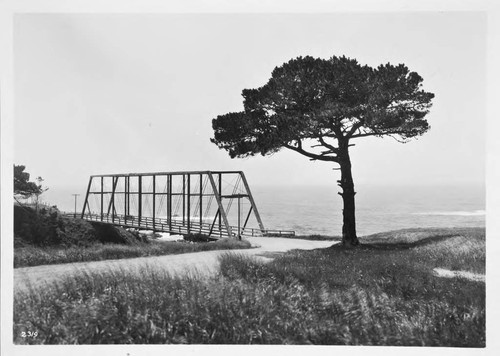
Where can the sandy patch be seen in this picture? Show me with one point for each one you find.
(446, 273)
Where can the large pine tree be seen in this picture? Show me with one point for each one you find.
(316, 107)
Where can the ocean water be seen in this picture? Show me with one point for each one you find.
(318, 210)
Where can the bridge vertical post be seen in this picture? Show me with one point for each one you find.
(154, 204)
(201, 200)
(85, 204)
(169, 201)
(188, 207)
(102, 197)
(219, 203)
(139, 212)
(126, 197)
(183, 199)
(252, 202)
(112, 202)
(220, 194)
(239, 217)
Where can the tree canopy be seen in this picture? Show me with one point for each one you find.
(22, 185)
(312, 98)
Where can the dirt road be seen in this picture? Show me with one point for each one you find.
(201, 262)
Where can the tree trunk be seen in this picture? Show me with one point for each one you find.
(349, 237)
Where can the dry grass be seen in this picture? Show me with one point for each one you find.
(35, 256)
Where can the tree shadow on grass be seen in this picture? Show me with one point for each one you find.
(391, 246)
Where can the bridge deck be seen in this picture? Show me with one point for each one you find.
(179, 227)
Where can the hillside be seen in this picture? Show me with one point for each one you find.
(48, 227)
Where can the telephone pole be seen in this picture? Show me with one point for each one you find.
(75, 195)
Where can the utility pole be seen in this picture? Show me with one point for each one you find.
(75, 195)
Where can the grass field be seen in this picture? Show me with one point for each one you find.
(317, 237)
(383, 293)
(35, 256)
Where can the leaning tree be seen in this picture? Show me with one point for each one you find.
(316, 107)
(22, 185)
(26, 189)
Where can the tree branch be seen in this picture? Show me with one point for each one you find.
(327, 145)
(354, 128)
(368, 134)
(313, 156)
(375, 133)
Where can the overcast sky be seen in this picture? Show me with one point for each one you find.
(104, 93)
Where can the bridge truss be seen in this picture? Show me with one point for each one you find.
(176, 202)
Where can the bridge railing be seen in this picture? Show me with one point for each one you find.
(173, 226)
(181, 227)
(148, 223)
(278, 233)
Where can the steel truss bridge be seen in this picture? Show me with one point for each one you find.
(186, 202)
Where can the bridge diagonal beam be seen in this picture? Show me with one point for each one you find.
(213, 224)
(252, 202)
(111, 204)
(246, 220)
(86, 202)
(217, 193)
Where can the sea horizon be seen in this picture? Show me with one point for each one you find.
(317, 209)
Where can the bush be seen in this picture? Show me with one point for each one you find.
(42, 228)
(48, 227)
(198, 238)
